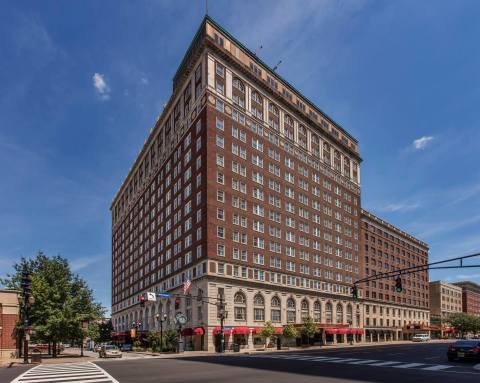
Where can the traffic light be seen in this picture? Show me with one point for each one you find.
(354, 292)
(25, 284)
(142, 300)
(398, 285)
(177, 303)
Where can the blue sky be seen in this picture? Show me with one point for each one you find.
(83, 83)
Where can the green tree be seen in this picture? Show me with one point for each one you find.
(63, 301)
(100, 331)
(170, 340)
(153, 340)
(267, 332)
(309, 328)
(290, 331)
(463, 322)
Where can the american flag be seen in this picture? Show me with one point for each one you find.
(186, 285)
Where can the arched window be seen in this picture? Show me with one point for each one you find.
(289, 132)
(275, 311)
(291, 317)
(273, 109)
(302, 130)
(238, 84)
(329, 313)
(304, 309)
(339, 313)
(317, 311)
(346, 166)
(288, 120)
(240, 308)
(258, 308)
(256, 97)
(238, 93)
(349, 314)
(326, 153)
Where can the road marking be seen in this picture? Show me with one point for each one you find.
(74, 373)
(365, 361)
(381, 364)
(476, 367)
(437, 367)
(409, 365)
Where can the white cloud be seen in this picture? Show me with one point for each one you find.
(399, 207)
(144, 81)
(101, 86)
(80, 263)
(422, 142)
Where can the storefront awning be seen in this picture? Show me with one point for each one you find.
(194, 331)
(241, 330)
(331, 331)
(226, 330)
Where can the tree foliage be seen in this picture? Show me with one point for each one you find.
(309, 327)
(63, 301)
(464, 323)
(290, 331)
(268, 330)
(100, 331)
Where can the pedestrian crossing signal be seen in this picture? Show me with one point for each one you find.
(398, 285)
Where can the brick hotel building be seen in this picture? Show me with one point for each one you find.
(250, 191)
(390, 315)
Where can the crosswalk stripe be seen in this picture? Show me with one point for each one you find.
(365, 361)
(438, 367)
(384, 364)
(409, 365)
(76, 373)
(356, 361)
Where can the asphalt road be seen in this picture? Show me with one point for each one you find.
(411, 363)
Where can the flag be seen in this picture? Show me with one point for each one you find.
(186, 285)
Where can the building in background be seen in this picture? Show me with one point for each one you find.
(9, 311)
(470, 297)
(445, 299)
(390, 315)
(250, 191)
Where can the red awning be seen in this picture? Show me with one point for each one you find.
(228, 331)
(342, 330)
(198, 331)
(331, 331)
(359, 331)
(241, 330)
(278, 330)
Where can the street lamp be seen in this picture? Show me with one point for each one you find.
(28, 300)
(161, 320)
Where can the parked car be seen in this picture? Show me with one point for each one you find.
(421, 338)
(126, 347)
(464, 350)
(110, 351)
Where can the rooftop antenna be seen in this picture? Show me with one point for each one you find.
(276, 66)
(206, 7)
(258, 50)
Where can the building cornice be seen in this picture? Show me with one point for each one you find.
(395, 229)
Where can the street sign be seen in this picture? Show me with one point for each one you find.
(151, 296)
(164, 295)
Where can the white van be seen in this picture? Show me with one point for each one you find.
(421, 338)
